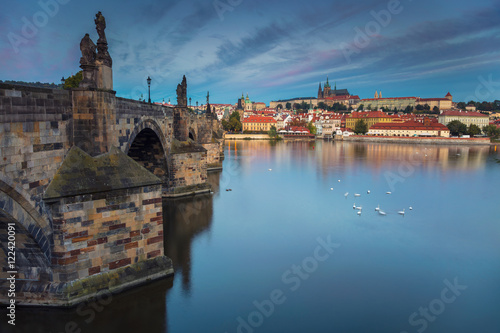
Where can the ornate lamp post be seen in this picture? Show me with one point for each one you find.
(149, 90)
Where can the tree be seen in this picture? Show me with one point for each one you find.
(272, 132)
(457, 128)
(288, 105)
(461, 105)
(435, 110)
(361, 127)
(369, 107)
(235, 124)
(322, 105)
(298, 122)
(311, 128)
(491, 130)
(419, 107)
(279, 106)
(73, 81)
(427, 107)
(473, 130)
(361, 107)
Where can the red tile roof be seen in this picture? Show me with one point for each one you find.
(460, 113)
(432, 99)
(259, 119)
(376, 99)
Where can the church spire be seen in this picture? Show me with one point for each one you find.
(327, 84)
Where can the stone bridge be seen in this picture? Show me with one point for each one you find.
(82, 176)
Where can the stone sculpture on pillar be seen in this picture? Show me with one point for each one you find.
(103, 59)
(182, 93)
(102, 42)
(88, 62)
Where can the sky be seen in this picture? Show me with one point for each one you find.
(267, 49)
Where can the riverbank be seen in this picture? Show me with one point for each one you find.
(416, 140)
(266, 137)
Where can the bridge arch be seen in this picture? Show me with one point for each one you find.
(192, 134)
(147, 146)
(16, 208)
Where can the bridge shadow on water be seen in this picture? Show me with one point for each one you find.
(142, 309)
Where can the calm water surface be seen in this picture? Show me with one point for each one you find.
(257, 259)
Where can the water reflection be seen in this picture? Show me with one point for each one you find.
(185, 219)
(373, 155)
(138, 310)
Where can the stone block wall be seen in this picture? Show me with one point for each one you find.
(188, 170)
(214, 160)
(101, 232)
(181, 122)
(34, 127)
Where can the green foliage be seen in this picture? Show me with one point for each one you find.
(427, 107)
(435, 110)
(273, 134)
(473, 130)
(361, 107)
(233, 124)
(33, 84)
(461, 105)
(457, 128)
(491, 130)
(288, 105)
(73, 81)
(322, 105)
(361, 127)
(311, 128)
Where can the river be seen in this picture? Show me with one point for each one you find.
(284, 250)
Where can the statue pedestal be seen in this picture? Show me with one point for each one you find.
(89, 76)
(104, 76)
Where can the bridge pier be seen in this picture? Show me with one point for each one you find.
(82, 177)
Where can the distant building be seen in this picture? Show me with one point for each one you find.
(258, 123)
(370, 117)
(466, 117)
(327, 91)
(401, 103)
(441, 103)
(409, 128)
(299, 100)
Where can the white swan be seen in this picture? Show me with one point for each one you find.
(381, 212)
(411, 208)
(401, 212)
(377, 208)
(346, 194)
(368, 191)
(357, 194)
(359, 212)
(388, 192)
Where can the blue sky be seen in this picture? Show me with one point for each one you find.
(268, 49)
